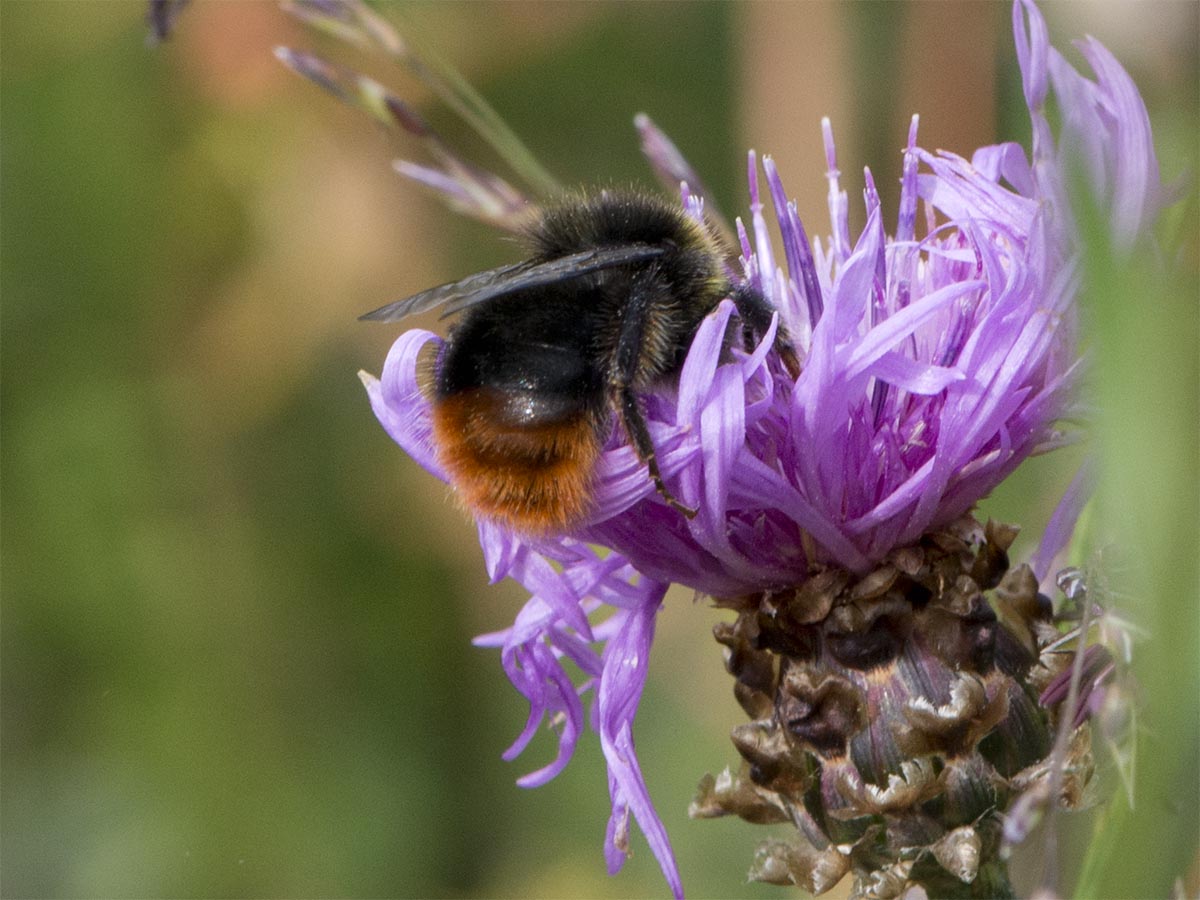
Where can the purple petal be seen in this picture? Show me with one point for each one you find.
(399, 404)
(1061, 526)
(907, 217)
(912, 376)
(625, 664)
(1107, 124)
(839, 213)
(1032, 45)
(796, 250)
(1005, 161)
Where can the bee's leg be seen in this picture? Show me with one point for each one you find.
(756, 314)
(630, 412)
(622, 375)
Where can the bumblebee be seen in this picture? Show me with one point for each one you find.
(525, 387)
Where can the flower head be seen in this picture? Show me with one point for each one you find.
(935, 358)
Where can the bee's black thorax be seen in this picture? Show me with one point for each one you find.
(564, 346)
(655, 306)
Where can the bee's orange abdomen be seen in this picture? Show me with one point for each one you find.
(536, 479)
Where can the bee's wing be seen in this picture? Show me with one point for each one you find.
(475, 288)
(484, 286)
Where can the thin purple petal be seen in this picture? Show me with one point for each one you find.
(1061, 526)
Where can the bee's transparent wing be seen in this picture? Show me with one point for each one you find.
(483, 286)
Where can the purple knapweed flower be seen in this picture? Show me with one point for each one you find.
(935, 359)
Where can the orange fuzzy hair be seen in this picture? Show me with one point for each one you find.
(535, 480)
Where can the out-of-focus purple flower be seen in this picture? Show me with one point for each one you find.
(161, 16)
(1096, 669)
(935, 360)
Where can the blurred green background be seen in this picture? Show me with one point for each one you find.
(236, 619)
